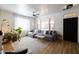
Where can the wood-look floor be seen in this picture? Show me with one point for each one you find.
(56, 47)
(61, 47)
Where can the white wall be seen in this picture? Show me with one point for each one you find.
(58, 19)
(8, 16)
(58, 23)
(11, 18)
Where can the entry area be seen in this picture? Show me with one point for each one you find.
(70, 29)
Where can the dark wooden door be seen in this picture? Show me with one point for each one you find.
(70, 29)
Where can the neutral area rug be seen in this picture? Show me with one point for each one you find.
(33, 44)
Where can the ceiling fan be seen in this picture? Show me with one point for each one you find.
(35, 13)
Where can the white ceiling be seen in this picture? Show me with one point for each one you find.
(27, 9)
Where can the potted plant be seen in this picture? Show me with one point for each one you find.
(19, 30)
(12, 36)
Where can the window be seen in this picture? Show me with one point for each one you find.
(51, 24)
(45, 24)
(22, 22)
(39, 24)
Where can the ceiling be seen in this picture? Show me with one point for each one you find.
(27, 9)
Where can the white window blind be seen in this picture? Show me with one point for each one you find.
(22, 22)
(43, 24)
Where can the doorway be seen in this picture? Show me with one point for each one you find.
(70, 29)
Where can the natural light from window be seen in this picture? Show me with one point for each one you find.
(22, 22)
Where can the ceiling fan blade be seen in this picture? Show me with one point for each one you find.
(35, 13)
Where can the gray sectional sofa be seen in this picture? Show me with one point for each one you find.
(48, 35)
